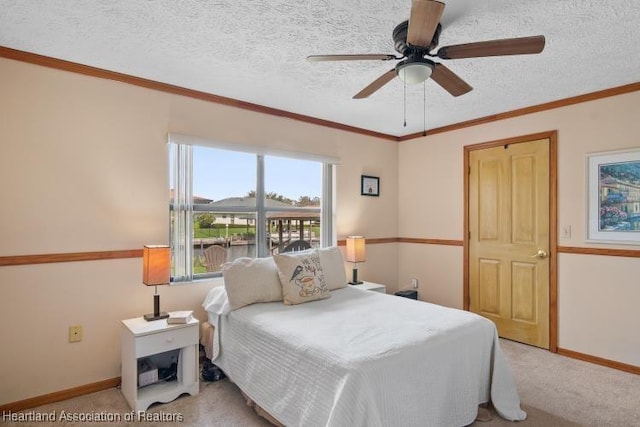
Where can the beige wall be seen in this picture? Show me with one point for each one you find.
(596, 315)
(83, 167)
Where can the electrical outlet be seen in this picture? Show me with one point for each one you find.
(414, 283)
(75, 333)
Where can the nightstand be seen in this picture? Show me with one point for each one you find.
(370, 286)
(142, 339)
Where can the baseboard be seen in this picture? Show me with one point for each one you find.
(600, 361)
(57, 396)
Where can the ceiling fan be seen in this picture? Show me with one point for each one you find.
(416, 38)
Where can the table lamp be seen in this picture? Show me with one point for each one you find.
(156, 270)
(355, 254)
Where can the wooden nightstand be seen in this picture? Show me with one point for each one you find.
(142, 339)
(370, 286)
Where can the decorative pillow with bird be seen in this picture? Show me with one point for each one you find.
(301, 277)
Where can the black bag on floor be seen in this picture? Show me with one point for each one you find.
(211, 372)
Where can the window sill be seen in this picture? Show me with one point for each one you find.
(214, 281)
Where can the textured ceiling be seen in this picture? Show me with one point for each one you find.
(255, 51)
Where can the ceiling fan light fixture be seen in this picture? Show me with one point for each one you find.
(414, 70)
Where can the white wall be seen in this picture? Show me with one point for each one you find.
(595, 316)
(83, 167)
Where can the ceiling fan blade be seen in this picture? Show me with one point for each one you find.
(362, 57)
(376, 84)
(517, 46)
(450, 80)
(423, 21)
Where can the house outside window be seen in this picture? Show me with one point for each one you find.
(226, 204)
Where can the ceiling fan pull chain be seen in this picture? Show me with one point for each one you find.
(405, 103)
(424, 108)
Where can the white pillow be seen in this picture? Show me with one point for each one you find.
(333, 267)
(251, 280)
(301, 277)
(217, 301)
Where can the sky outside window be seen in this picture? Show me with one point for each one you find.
(219, 174)
(292, 178)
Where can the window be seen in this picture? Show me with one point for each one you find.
(226, 204)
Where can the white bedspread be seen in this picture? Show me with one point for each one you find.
(364, 359)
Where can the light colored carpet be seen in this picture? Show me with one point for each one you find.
(588, 394)
(555, 391)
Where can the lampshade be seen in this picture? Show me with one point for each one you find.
(355, 249)
(156, 265)
(414, 70)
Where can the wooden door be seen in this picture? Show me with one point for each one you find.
(508, 218)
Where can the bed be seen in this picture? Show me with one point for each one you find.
(362, 358)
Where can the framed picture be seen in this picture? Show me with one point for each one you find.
(613, 189)
(370, 185)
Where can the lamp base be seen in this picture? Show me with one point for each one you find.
(355, 280)
(157, 314)
(149, 317)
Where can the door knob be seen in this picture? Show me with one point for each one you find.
(540, 254)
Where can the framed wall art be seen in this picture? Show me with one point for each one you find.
(613, 194)
(369, 185)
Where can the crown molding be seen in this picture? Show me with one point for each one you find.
(60, 64)
(592, 96)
